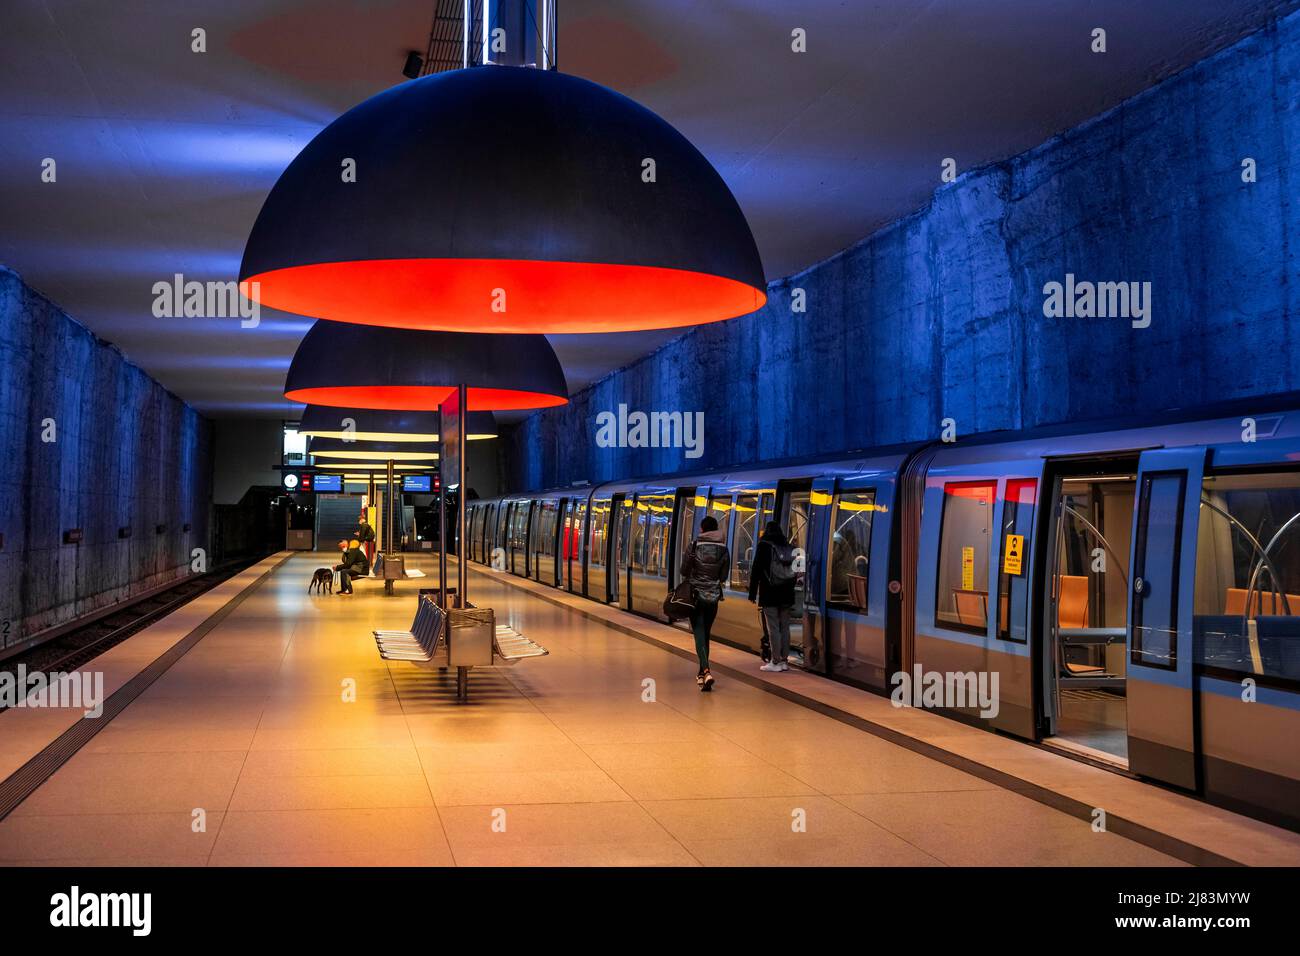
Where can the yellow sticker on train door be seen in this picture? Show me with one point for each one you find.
(1014, 554)
(968, 569)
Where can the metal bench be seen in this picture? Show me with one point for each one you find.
(512, 647)
(428, 643)
(422, 643)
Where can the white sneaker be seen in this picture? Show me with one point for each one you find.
(783, 666)
(770, 667)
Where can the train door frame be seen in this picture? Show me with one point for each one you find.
(1044, 555)
(689, 494)
(821, 504)
(634, 516)
(561, 509)
(562, 556)
(613, 529)
(785, 487)
(578, 551)
(527, 506)
(1163, 705)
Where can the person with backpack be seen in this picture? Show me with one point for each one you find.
(771, 586)
(706, 565)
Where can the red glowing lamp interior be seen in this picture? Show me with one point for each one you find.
(503, 295)
(421, 397)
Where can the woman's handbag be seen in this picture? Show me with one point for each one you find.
(680, 603)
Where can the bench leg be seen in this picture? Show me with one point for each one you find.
(462, 683)
(388, 586)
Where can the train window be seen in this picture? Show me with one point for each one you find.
(656, 545)
(850, 549)
(1159, 531)
(599, 527)
(746, 540)
(689, 516)
(962, 597)
(720, 507)
(640, 519)
(1247, 597)
(1013, 561)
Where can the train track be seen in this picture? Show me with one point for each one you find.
(78, 647)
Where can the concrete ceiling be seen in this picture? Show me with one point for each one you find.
(164, 155)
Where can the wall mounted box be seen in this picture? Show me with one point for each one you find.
(299, 539)
(72, 536)
(124, 532)
(159, 528)
(185, 527)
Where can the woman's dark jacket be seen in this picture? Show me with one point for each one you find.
(760, 584)
(706, 565)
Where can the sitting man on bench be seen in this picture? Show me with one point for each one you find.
(354, 565)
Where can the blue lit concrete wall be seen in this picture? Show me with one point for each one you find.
(941, 314)
(127, 453)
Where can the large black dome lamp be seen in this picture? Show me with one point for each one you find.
(505, 199)
(355, 366)
(369, 424)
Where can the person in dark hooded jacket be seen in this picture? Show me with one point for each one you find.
(774, 593)
(706, 565)
(354, 565)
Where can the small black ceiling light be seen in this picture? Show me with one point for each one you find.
(356, 366)
(503, 199)
(370, 424)
(414, 64)
(340, 450)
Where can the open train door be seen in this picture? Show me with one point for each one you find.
(1161, 704)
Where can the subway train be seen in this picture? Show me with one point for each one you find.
(1131, 595)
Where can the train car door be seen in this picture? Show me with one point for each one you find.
(691, 506)
(1161, 704)
(562, 543)
(620, 531)
(575, 535)
(814, 623)
(794, 512)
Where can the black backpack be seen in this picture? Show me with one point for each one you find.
(780, 570)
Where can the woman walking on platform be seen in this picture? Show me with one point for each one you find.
(706, 565)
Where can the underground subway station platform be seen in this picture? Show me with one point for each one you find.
(530, 452)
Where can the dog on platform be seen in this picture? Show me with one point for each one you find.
(322, 581)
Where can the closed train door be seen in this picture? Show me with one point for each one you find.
(1161, 705)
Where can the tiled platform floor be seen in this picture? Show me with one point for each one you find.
(250, 733)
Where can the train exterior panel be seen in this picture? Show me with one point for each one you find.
(1130, 596)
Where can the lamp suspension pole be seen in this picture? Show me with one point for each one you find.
(462, 565)
(442, 523)
(388, 524)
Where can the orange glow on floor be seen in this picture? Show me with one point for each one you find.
(460, 295)
(421, 398)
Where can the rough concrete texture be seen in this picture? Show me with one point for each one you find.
(127, 453)
(941, 314)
